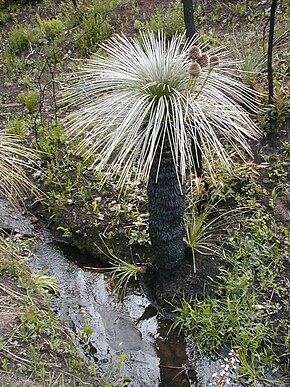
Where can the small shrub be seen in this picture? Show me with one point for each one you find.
(281, 108)
(95, 24)
(71, 19)
(49, 137)
(239, 9)
(4, 16)
(95, 29)
(20, 38)
(170, 21)
(102, 7)
(12, 65)
(50, 27)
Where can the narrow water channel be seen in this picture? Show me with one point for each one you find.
(156, 353)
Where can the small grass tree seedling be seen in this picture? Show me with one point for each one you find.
(149, 102)
(204, 225)
(120, 271)
(45, 283)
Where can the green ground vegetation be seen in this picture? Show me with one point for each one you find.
(248, 309)
(36, 348)
(36, 343)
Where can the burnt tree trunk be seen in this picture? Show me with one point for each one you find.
(166, 202)
(188, 14)
(189, 18)
(270, 50)
(269, 66)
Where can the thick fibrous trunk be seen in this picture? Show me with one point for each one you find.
(166, 203)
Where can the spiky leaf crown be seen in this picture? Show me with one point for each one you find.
(140, 93)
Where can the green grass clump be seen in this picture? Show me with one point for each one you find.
(232, 319)
(247, 293)
(29, 98)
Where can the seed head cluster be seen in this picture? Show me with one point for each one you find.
(200, 60)
(214, 60)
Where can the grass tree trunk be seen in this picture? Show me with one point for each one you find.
(166, 203)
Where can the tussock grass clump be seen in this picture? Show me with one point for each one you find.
(14, 159)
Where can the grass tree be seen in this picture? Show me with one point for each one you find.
(146, 108)
(14, 159)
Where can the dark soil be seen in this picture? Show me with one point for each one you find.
(166, 288)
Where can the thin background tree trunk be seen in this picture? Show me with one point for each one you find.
(270, 49)
(188, 12)
(189, 18)
(269, 62)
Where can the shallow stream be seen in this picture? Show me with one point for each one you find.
(157, 355)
